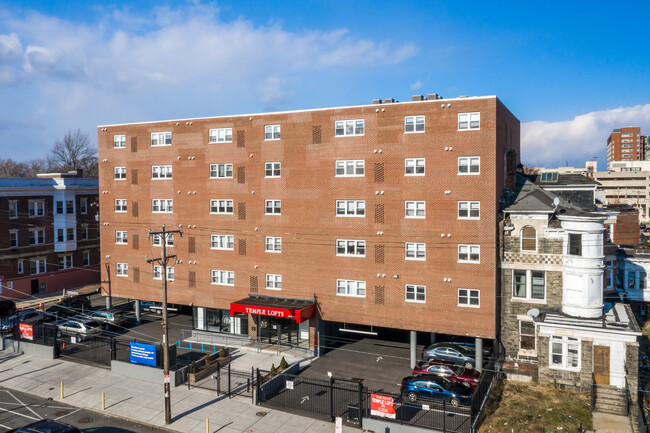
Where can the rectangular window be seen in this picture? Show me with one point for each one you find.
(528, 284)
(415, 209)
(416, 251)
(221, 206)
(350, 248)
(36, 236)
(273, 282)
(37, 266)
(526, 335)
(222, 242)
(351, 208)
(575, 244)
(221, 171)
(121, 237)
(69, 206)
(350, 168)
(272, 207)
(564, 352)
(70, 234)
(59, 207)
(65, 262)
(413, 124)
(272, 169)
(13, 209)
(469, 121)
(221, 135)
(170, 273)
(21, 266)
(272, 132)
(414, 167)
(119, 141)
(273, 244)
(469, 253)
(86, 258)
(169, 240)
(223, 278)
(83, 203)
(469, 210)
(60, 235)
(122, 269)
(415, 293)
(13, 238)
(120, 205)
(469, 165)
(161, 138)
(157, 272)
(84, 232)
(351, 288)
(162, 206)
(519, 284)
(348, 127)
(161, 171)
(36, 208)
(119, 173)
(469, 298)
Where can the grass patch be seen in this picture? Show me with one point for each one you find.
(531, 407)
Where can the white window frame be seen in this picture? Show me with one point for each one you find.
(121, 269)
(41, 265)
(413, 164)
(271, 132)
(217, 277)
(413, 291)
(69, 207)
(120, 205)
(565, 342)
(162, 205)
(169, 240)
(220, 135)
(157, 137)
(357, 245)
(119, 173)
(221, 168)
(270, 167)
(84, 232)
(470, 249)
(342, 128)
(220, 206)
(468, 295)
(170, 273)
(13, 238)
(161, 172)
(414, 123)
(273, 244)
(529, 286)
(36, 208)
(469, 205)
(534, 335)
(273, 282)
(222, 242)
(121, 237)
(13, 209)
(39, 236)
(470, 119)
(66, 260)
(415, 251)
(274, 205)
(86, 258)
(466, 161)
(350, 288)
(157, 272)
(21, 267)
(418, 208)
(119, 141)
(70, 234)
(83, 204)
(351, 208)
(346, 164)
(521, 240)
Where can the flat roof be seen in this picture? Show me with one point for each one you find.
(444, 101)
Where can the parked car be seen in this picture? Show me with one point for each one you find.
(31, 317)
(449, 353)
(61, 311)
(80, 328)
(7, 323)
(7, 307)
(109, 318)
(470, 343)
(80, 304)
(463, 376)
(156, 307)
(46, 426)
(435, 388)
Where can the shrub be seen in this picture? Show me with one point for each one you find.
(273, 368)
(208, 361)
(193, 367)
(223, 352)
(283, 364)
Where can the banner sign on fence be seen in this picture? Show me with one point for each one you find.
(143, 353)
(289, 384)
(382, 405)
(338, 425)
(26, 331)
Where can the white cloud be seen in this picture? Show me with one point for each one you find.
(10, 47)
(578, 139)
(417, 85)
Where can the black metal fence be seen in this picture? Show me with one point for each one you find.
(480, 395)
(229, 381)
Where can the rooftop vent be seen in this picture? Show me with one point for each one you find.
(417, 98)
(389, 100)
(376, 101)
(463, 96)
(433, 96)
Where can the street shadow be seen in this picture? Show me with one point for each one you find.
(30, 372)
(194, 409)
(77, 392)
(118, 402)
(111, 430)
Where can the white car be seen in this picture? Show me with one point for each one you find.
(79, 328)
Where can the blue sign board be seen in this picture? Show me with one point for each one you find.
(143, 354)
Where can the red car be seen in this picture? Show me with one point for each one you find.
(461, 375)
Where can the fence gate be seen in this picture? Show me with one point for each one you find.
(229, 381)
(99, 350)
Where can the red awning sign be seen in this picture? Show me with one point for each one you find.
(281, 313)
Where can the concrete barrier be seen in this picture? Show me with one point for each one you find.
(19, 346)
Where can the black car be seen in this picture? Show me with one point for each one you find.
(61, 311)
(80, 304)
(46, 426)
(7, 307)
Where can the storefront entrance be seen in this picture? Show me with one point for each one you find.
(273, 330)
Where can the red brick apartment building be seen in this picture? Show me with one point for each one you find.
(625, 144)
(50, 234)
(299, 224)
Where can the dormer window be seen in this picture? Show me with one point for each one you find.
(528, 239)
(575, 244)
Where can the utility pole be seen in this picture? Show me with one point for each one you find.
(163, 235)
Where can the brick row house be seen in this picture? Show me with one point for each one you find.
(51, 235)
(305, 224)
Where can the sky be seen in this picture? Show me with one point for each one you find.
(570, 71)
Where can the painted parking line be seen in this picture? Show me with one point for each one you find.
(67, 414)
(24, 405)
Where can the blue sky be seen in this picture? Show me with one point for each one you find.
(570, 71)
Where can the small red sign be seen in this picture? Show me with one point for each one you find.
(382, 405)
(26, 331)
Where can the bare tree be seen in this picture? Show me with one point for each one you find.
(73, 152)
(11, 168)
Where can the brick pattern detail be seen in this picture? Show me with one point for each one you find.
(135, 240)
(241, 138)
(379, 295)
(134, 176)
(379, 172)
(542, 259)
(241, 174)
(242, 247)
(191, 278)
(316, 134)
(136, 274)
(134, 209)
(379, 214)
(191, 245)
(134, 144)
(379, 254)
(253, 284)
(241, 211)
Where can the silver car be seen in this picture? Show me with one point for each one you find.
(108, 318)
(79, 328)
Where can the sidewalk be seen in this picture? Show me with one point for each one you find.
(607, 423)
(144, 402)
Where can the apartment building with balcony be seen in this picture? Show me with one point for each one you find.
(305, 224)
(51, 236)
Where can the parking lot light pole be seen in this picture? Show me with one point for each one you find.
(163, 235)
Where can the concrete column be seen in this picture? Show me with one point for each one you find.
(109, 304)
(433, 337)
(136, 305)
(478, 356)
(414, 339)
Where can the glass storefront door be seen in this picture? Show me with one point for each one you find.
(273, 330)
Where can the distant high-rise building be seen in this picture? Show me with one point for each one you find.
(626, 144)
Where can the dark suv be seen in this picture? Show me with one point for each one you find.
(7, 307)
(449, 353)
(80, 304)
